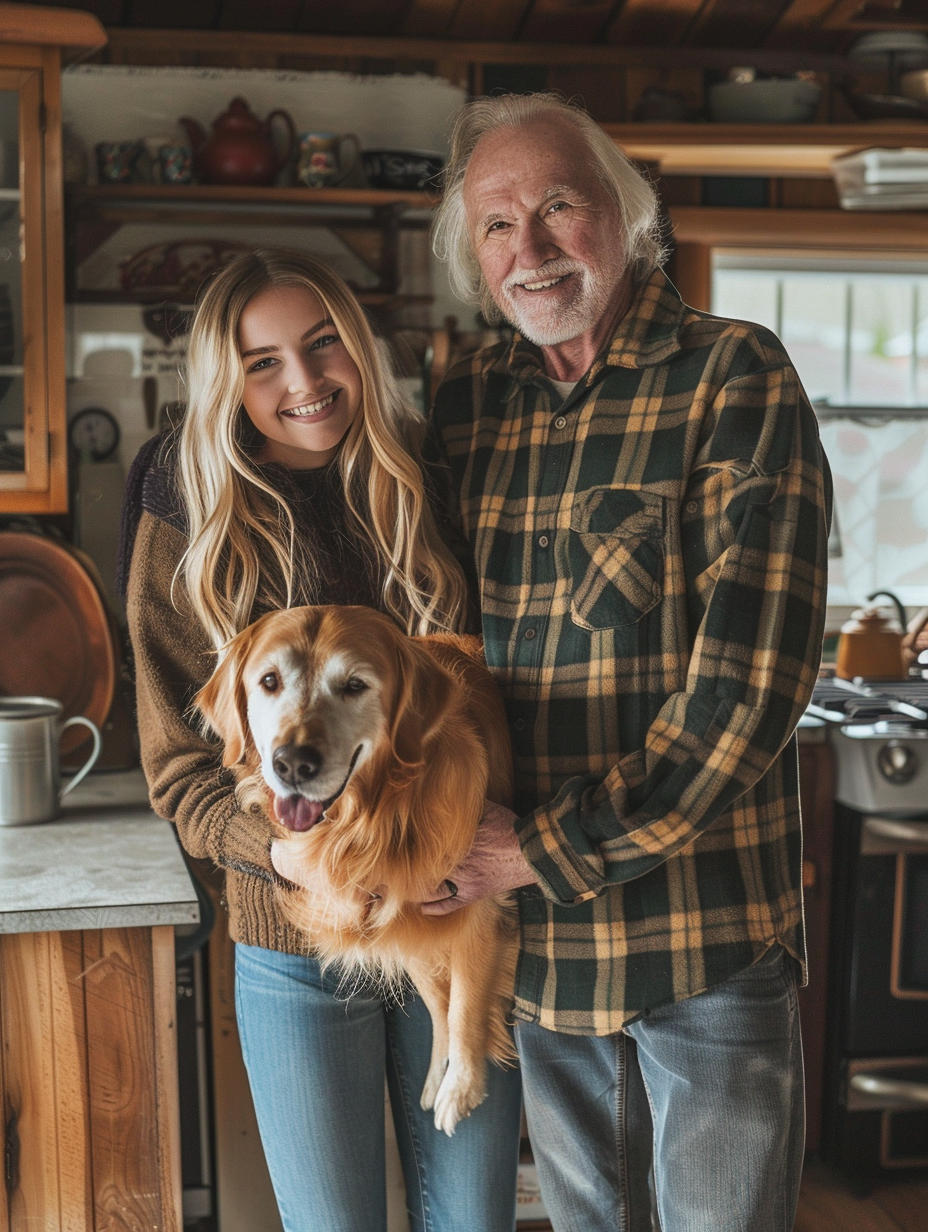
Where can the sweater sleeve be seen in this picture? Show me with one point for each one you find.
(173, 656)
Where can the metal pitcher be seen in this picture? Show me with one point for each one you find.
(30, 774)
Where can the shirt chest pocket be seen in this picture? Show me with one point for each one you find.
(615, 556)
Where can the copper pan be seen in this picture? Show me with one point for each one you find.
(55, 638)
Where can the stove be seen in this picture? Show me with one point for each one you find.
(876, 1065)
(879, 731)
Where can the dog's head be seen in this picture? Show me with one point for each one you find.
(311, 695)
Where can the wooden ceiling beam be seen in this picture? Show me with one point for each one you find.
(493, 19)
(801, 24)
(570, 21)
(723, 22)
(138, 43)
(428, 18)
(654, 21)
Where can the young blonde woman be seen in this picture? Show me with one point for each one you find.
(296, 479)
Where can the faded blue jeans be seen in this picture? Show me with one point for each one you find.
(705, 1095)
(316, 1060)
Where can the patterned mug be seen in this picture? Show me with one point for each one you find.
(176, 164)
(118, 162)
(321, 163)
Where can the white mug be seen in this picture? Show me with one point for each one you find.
(30, 775)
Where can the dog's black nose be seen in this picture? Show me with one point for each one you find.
(296, 764)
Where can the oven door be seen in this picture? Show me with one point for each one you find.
(885, 939)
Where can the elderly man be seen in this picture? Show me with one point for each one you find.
(646, 498)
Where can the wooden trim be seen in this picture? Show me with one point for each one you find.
(692, 275)
(57, 501)
(801, 151)
(230, 42)
(167, 1092)
(77, 31)
(825, 229)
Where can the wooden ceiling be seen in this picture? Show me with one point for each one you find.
(823, 26)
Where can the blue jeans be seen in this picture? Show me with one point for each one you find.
(705, 1095)
(316, 1060)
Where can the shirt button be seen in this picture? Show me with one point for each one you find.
(529, 634)
(542, 541)
(560, 422)
(519, 725)
(691, 506)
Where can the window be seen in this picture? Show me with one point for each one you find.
(857, 331)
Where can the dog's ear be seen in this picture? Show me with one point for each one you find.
(222, 700)
(423, 692)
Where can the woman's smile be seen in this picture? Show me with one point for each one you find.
(311, 410)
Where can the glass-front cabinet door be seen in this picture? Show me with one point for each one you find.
(24, 391)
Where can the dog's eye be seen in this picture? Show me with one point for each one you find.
(270, 682)
(354, 684)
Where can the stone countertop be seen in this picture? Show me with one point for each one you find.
(106, 862)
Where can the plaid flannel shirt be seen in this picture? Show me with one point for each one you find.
(651, 555)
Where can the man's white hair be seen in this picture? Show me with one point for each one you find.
(635, 197)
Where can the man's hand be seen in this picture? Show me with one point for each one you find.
(494, 865)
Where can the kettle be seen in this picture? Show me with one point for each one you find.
(874, 644)
(240, 149)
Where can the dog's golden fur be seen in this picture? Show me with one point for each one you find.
(435, 746)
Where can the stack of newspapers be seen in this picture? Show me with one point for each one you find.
(882, 179)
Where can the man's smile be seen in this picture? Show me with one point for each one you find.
(542, 286)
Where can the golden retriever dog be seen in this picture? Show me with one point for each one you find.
(375, 753)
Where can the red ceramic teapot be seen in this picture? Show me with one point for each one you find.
(240, 149)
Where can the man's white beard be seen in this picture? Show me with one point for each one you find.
(552, 321)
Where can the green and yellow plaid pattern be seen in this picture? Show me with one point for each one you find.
(652, 561)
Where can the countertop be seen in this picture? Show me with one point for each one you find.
(107, 862)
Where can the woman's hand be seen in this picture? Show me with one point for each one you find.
(494, 865)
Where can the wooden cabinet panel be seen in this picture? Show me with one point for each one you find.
(88, 1067)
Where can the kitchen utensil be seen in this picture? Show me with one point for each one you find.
(401, 170)
(322, 162)
(888, 702)
(780, 100)
(56, 638)
(30, 774)
(871, 643)
(240, 149)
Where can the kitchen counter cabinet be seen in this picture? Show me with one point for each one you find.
(88, 1058)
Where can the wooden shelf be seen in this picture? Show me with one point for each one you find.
(791, 150)
(171, 195)
(366, 220)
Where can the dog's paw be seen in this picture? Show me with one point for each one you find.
(433, 1081)
(459, 1094)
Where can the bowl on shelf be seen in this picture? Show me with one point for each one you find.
(886, 106)
(779, 100)
(914, 85)
(402, 170)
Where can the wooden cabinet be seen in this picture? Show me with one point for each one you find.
(88, 1080)
(33, 455)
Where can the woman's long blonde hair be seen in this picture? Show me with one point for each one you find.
(237, 522)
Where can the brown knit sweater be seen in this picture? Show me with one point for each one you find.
(174, 658)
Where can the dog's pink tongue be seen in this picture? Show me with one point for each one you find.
(296, 812)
